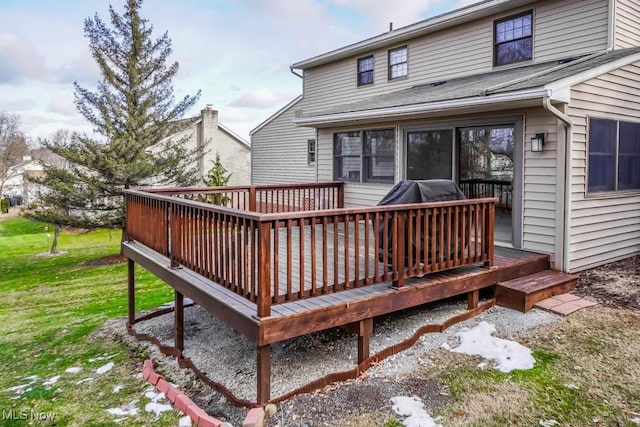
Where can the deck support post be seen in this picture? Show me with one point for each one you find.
(131, 283)
(363, 329)
(179, 321)
(364, 335)
(263, 370)
(472, 299)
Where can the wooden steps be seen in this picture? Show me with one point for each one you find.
(523, 292)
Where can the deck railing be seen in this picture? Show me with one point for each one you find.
(479, 188)
(266, 198)
(271, 258)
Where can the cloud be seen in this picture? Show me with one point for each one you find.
(19, 60)
(463, 3)
(379, 13)
(63, 105)
(17, 105)
(261, 98)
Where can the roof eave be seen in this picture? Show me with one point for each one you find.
(425, 108)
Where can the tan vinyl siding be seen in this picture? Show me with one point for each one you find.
(627, 31)
(463, 50)
(570, 28)
(604, 227)
(541, 187)
(279, 152)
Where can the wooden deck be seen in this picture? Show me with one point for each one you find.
(278, 275)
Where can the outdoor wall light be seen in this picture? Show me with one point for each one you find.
(537, 142)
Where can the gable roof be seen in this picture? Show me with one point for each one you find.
(523, 84)
(427, 26)
(276, 115)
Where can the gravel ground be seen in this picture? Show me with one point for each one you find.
(229, 359)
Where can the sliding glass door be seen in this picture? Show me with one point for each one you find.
(486, 169)
(429, 154)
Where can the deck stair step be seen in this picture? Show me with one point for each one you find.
(523, 292)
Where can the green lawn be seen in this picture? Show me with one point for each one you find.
(50, 306)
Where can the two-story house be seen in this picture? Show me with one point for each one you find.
(534, 102)
(206, 131)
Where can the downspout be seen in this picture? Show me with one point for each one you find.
(546, 103)
(294, 73)
(611, 34)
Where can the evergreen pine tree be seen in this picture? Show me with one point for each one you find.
(217, 176)
(132, 112)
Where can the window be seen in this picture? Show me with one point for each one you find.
(614, 156)
(513, 39)
(429, 154)
(398, 63)
(311, 151)
(365, 70)
(364, 156)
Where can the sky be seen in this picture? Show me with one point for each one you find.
(237, 52)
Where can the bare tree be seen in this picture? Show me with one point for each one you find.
(13, 146)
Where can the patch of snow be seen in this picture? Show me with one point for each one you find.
(186, 302)
(52, 380)
(18, 389)
(572, 386)
(154, 397)
(508, 355)
(85, 380)
(73, 370)
(185, 421)
(105, 357)
(117, 388)
(445, 345)
(23, 388)
(635, 420)
(413, 409)
(105, 368)
(548, 423)
(125, 410)
(157, 408)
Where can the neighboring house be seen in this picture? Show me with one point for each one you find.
(469, 95)
(235, 152)
(17, 185)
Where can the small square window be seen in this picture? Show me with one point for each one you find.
(365, 71)
(398, 63)
(513, 39)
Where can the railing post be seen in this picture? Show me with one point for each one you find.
(340, 195)
(399, 242)
(252, 198)
(174, 225)
(488, 238)
(264, 269)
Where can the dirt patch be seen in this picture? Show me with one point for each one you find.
(361, 399)
(105, 260)
(613, 285)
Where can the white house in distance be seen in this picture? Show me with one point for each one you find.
(534, 101)
(17, 185)
(235, 152)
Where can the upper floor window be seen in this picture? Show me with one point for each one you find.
(398, 62)
(367, 156)
(365, 70)
(513, 39)
(614, 156)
